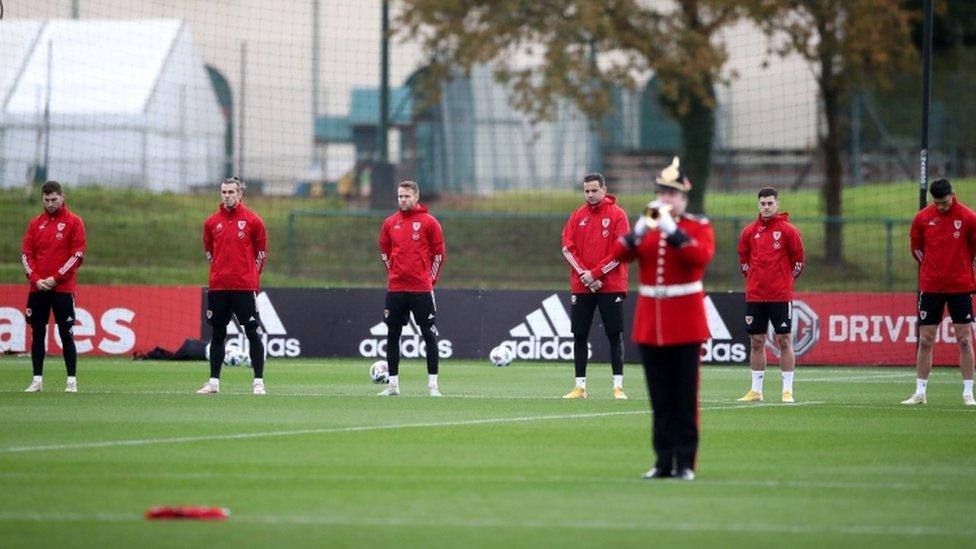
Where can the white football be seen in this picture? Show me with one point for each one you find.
(379, 372)
(235, 356)
(501, 356)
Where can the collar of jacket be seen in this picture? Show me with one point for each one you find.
(62, 211)
(781, 216)
(418, 208)
(608, 199)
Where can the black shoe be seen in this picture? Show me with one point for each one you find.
(657, 472)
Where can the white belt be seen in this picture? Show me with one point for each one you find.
(671, 290)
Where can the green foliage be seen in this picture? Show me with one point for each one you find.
(579, 50)
(498, 462)
(507, 240)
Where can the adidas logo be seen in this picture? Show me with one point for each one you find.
(546, 334)
(273, 332)
(411, 342)
(726, 351)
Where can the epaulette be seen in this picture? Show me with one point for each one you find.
(697, 218)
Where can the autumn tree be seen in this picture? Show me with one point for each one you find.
(577, 50)
(848, 43)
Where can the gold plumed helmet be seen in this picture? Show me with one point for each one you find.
(672, 177)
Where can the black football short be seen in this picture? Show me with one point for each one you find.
(760, 314)
(611, 307)
(40, 305)
(399, 305)
(931, 307)
(241, 303)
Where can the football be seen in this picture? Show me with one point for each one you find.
(501, 356)
(379, 372)
(235, 356)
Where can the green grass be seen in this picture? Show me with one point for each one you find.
(508, 240)
(499, 462)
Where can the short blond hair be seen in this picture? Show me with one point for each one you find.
(234, 180)
(412, 185)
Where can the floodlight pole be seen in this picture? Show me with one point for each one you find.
(384, 156)
(923, 183)
(316, 41)
(241, 113)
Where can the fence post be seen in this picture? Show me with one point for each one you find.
(736, 272)
(290, 245)
(889, 255)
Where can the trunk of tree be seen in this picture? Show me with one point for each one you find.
(833, 171)
(697, 135)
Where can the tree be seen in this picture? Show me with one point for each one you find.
(848, 43)
(581, 49)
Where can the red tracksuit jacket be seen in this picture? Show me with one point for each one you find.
(588, 239)
(945, 245)
(236, 243)
(54, 245)
(770, 257)
(412, 248)
(679, 319)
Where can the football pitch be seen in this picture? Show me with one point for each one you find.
(501, 460)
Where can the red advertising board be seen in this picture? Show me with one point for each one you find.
(864, 329)
(111, 320)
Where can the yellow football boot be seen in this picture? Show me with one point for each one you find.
(751, 396)
(577, 392)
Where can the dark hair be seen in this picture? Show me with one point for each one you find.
(234, 180)
(768, 191)
(595, 176)
(51, 187)
(940, 188)
(412, 185)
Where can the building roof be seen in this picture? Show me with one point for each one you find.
(364, 107)
(105, 66)
(333, 129)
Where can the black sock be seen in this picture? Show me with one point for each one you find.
(616, 353)
(256, 348)
(68, 346)
(217, 351)
(393, 349)
(433, 353)
(580, 352)
(39, 333)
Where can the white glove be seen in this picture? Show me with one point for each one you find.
(641, 226)
(664, 220)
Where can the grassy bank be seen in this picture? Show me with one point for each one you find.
(508, 240)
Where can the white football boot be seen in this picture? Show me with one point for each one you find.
(914, 400)
(390, 391)
(433, 391)
(35, 387)
(209, 389)
(968, 400)
(71, 387)
(259, 388)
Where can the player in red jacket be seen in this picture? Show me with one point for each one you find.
(770, 258)
(412, 249)
(236, 244)
(672, 249)
(943, 240)
(595, 279)
(53, 249)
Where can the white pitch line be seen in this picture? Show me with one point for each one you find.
(441, 479)
(351, 429)
(643, 525)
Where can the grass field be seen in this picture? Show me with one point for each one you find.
(500, 461)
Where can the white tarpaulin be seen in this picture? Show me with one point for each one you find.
(112, 103)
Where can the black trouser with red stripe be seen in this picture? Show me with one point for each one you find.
(671, 372)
